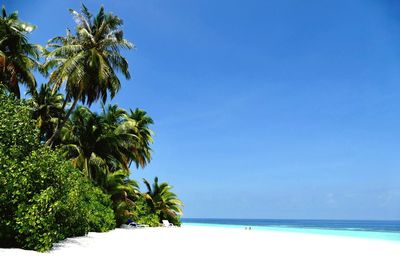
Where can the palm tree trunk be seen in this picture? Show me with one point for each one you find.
(61, 124)
(87, 168)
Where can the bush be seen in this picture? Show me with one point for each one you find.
(63, 204)
(43, 198)
(175, 220)
(143, 214)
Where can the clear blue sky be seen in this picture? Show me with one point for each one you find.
(263, 109)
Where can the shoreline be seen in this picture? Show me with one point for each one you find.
(374, 235)
(210, 246)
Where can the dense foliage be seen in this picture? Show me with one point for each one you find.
(143, 214)
(64, 169)
(86, 61)
(161, 200)
(47, 109)
(18, 57)
(43, 198)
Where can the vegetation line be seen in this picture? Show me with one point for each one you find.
(64, 169)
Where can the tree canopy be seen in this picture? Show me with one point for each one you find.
(18, 57)
(64, 168)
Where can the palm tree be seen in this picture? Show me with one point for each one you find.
(134, 129)
(123, 192)
(90, 143)
(86, 62)
(106, 142)
(18, 57)
(95, 142)
(122, 128)
(47, 109)
(161, 199)
(140, 148)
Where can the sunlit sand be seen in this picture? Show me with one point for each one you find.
(208, 246)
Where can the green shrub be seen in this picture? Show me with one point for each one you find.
(100, 214)
(143, 214)
(43, 198)
(18, 134)
(176, 220)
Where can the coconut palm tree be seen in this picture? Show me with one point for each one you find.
(162, 200)
(119, 186)
(140, 147)
(98, 141)
(123, 192)
(47, 109)
(92, 146)
(86, 62)
(134, 129)
(123, 128)
(18, 57)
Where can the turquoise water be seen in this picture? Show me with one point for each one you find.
(380, 235)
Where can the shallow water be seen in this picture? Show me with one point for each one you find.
(383, 230)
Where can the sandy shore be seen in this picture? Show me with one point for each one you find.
(207, 246)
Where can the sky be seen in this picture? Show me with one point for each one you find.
(283, 109)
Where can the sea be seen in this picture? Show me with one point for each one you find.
(384, 230)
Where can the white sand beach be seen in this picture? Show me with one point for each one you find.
(208, 246)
